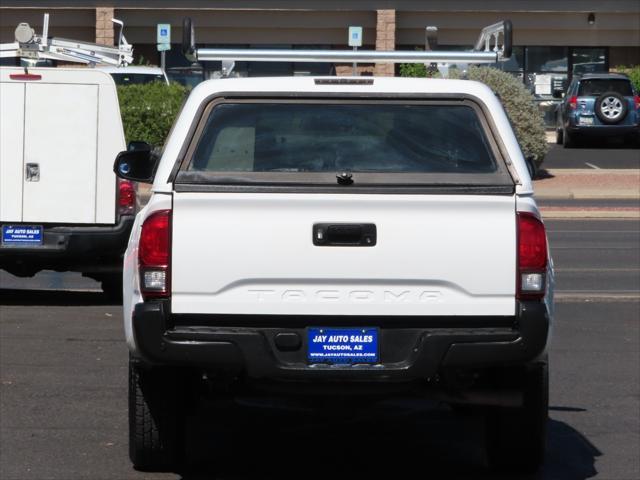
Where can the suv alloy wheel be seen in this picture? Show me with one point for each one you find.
(611, 107)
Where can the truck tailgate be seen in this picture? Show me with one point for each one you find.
(246, 253)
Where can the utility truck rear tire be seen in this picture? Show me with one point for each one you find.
(112, 287)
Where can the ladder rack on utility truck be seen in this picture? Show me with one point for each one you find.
(29, 45)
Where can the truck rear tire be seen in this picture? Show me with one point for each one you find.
(516, 437)
(112, 287)
(156, 426)
(567, 140)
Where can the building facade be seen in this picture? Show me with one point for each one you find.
(553, 39)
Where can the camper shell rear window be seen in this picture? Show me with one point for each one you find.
(313, 142)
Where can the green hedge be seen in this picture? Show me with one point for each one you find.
(148, 110)
(527, 120)
(417, 70)
(518, 102)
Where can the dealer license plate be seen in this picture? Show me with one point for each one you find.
(24, 235)
(585, 120)
(342, 345)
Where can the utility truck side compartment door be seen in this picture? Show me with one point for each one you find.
(62, 152)
(11, 150)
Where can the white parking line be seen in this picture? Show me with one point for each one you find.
(592, 165)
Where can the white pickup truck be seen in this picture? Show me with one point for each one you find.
(334, 236)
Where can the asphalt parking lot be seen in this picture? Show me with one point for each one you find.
(64, 380)
(593, 155)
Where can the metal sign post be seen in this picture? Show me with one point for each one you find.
(430, 45)
(164, 42)
(355, 41)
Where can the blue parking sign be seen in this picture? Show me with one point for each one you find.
(355, 36)
(164, 33)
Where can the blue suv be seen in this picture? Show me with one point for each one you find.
(598, 104)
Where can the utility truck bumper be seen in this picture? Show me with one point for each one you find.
(96, 248)
(275, 347)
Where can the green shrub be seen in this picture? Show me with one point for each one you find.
(518, 102)
(148, 110)
(526, 118)
(413, 70)
(634, 74)
(417, 70)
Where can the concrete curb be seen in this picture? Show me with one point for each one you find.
(585, 184)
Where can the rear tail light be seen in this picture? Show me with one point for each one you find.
(126, 197)
(154, 258)
(636, 101)
(532, 257)
(573, 102)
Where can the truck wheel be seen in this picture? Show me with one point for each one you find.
(112, 287)
(567, 140)
(156, 424)
(516, 437)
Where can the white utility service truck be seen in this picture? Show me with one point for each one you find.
(61, 206)
(332, 236)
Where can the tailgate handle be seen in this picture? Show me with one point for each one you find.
(344, 234)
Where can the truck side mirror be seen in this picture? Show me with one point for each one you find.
(137, 164)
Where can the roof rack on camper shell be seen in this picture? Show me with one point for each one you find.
(493, 45)
(29, 45)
